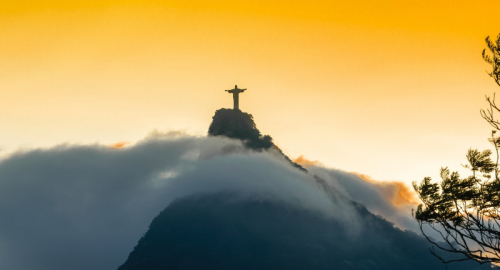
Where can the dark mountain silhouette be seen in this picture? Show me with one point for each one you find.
(226, 231)
(240, 125)
(218, 231)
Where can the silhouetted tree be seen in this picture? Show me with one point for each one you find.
(494, 59)
(465, 212)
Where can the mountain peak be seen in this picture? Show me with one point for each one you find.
(240, 125)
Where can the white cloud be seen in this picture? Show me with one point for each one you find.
(85, 207)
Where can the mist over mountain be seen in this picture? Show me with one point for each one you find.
(85, 207)
(235, 229)
(223, 231)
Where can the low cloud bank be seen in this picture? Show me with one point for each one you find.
(392, 200)
(85, 207)
(82, 207)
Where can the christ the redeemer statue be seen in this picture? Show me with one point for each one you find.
(236, 91)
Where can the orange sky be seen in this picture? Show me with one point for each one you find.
(390, 89)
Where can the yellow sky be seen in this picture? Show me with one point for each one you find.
(390, 89)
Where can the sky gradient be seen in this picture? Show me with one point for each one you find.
(389, 89)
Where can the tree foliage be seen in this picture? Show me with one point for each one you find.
(465, 212)
(494, 58)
